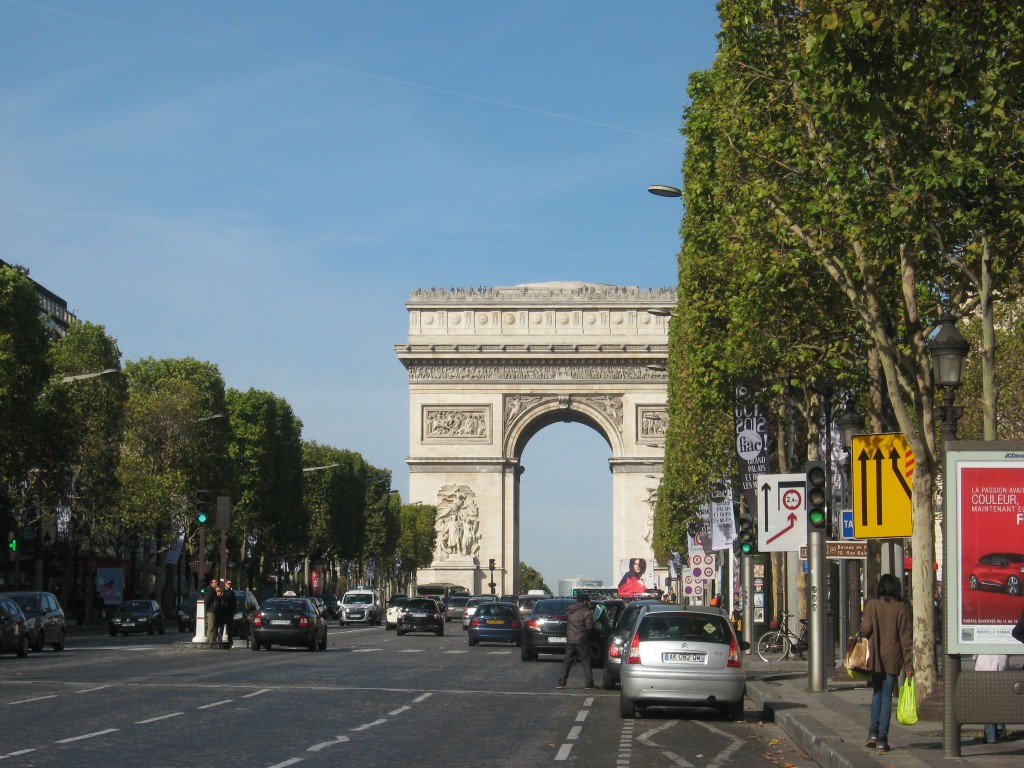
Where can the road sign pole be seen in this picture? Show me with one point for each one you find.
(747, 576)
(817, 607)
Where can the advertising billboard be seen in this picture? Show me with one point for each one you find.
(984, 550)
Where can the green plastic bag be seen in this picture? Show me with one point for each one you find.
(906, 707)
(859, 674)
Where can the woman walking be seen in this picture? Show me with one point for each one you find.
(886, 625)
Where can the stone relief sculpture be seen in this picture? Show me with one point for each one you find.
(653, 423)
(609, 405)
(457, 523)
(447, 422)
(518, 404)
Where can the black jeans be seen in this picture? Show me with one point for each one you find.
(579, 651)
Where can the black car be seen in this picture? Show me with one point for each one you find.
(13, 628)
(421, 614)
(44, 619)
(332, 603)
(289, 621)
(137, 616)
(545, 630)
(246, 606)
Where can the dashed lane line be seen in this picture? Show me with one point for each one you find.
(158, 717)
(574, 731)
(86, 736)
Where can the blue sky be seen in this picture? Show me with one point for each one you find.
(262, 184)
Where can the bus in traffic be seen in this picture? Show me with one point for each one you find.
(442, 590)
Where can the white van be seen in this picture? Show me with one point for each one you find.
(360, 605)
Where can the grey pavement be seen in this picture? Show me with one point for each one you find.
(832, 726)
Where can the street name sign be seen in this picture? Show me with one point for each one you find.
(842, 550)
(781, 520)
(883, 471)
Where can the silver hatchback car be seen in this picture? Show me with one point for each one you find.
(684, 658)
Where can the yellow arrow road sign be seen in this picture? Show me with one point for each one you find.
(883, 471)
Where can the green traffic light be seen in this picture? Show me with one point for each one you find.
(201, 518)
(13, 545)
(816, 517)
(746, 548)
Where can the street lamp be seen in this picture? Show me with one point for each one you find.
(849, 423)
(80, 376)
(664, 190)
(315, 469)
(948, 350)
(211, 417)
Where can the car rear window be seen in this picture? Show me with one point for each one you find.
(458, 602)
(421, 605)
(496, 610)
(698, 627)
(551, 607)
(358, 599)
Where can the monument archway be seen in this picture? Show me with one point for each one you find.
(489, 368)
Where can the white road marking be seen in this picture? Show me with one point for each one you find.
(424, 697)
(455, 651)
(563, 752)
(257, 693)
(16, 754)
(215, 704)
(581, 717)
(398, 711)
(86, 736)
(364, 726)
(574, 732)
(366, 650)
(325, 744)
(90, 690)
(292, 761)
(161, 717)
(413, 650)
(37, 698)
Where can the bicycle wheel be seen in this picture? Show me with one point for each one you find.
(773, 646)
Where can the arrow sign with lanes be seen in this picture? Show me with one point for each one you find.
(883, 471)
(781, 524)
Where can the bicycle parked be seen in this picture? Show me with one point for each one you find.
(780, 641)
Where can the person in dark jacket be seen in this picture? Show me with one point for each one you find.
(211, 601)
(577, 639)
(230, 602)
(886, 625)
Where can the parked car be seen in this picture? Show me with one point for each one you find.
(395, 603)
(456, 607)
(496, 623)
(13, 628)
(545, 630)
(44, 619)
(137, 616)
(683, 658)
(470, 608)
(999, 570)
(361, 606)
(620, 632)
(333, 605)
(246, 606)
(289, 621)
(421, 614)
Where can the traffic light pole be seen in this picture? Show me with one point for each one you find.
(817, 602)
(747, 580)
(200, 636)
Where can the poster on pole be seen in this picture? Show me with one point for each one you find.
(984, 554)
(751, 444)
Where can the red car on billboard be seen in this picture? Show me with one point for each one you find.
(1003, 571)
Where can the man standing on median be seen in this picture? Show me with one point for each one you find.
(577, 639)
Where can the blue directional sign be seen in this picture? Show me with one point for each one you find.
(847, 520)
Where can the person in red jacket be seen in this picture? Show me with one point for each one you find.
(886, 625)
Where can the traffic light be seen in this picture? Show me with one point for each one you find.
(202, 507)
(747, 537)
(12, 544)
(817, 496)
(491, 564)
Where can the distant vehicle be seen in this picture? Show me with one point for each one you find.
(137, 616)
(394, 607)
(496, 622)
(471, 605)
(623, 627)
(443, 590)
(456, 607)
(44, 619)
(545, 630)
(421, 614)
(527, 601)
(13, 628)
(683, 658)
(289, 621)
(999, 570)
(333, 605)
(361, 605)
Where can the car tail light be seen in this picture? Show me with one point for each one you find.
(634, 650)
(515, 624)
(257, 620)
(475, 622)
(532, 624)
(303, 621)
(613, 651)
(735, 660)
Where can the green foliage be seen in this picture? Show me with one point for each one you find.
(530, 578)
(417, 536)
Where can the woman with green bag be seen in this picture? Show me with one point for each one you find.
(886, 625)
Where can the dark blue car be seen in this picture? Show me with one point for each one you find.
(496, 623)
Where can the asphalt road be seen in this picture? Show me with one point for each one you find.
(371, 699)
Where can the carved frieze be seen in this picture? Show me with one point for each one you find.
(651, 423)
(456, 424)
(538, 371)
(609, 405)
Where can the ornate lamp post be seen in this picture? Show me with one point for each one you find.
(948, 350)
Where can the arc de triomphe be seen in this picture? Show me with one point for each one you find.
(488, 369)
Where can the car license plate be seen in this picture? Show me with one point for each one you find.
(420, 615)
(495, 621)
(556, 639)
(280, 622)
(677, 656)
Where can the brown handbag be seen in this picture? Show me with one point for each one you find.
(858, 654)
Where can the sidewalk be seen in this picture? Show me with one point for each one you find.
(832, 726)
